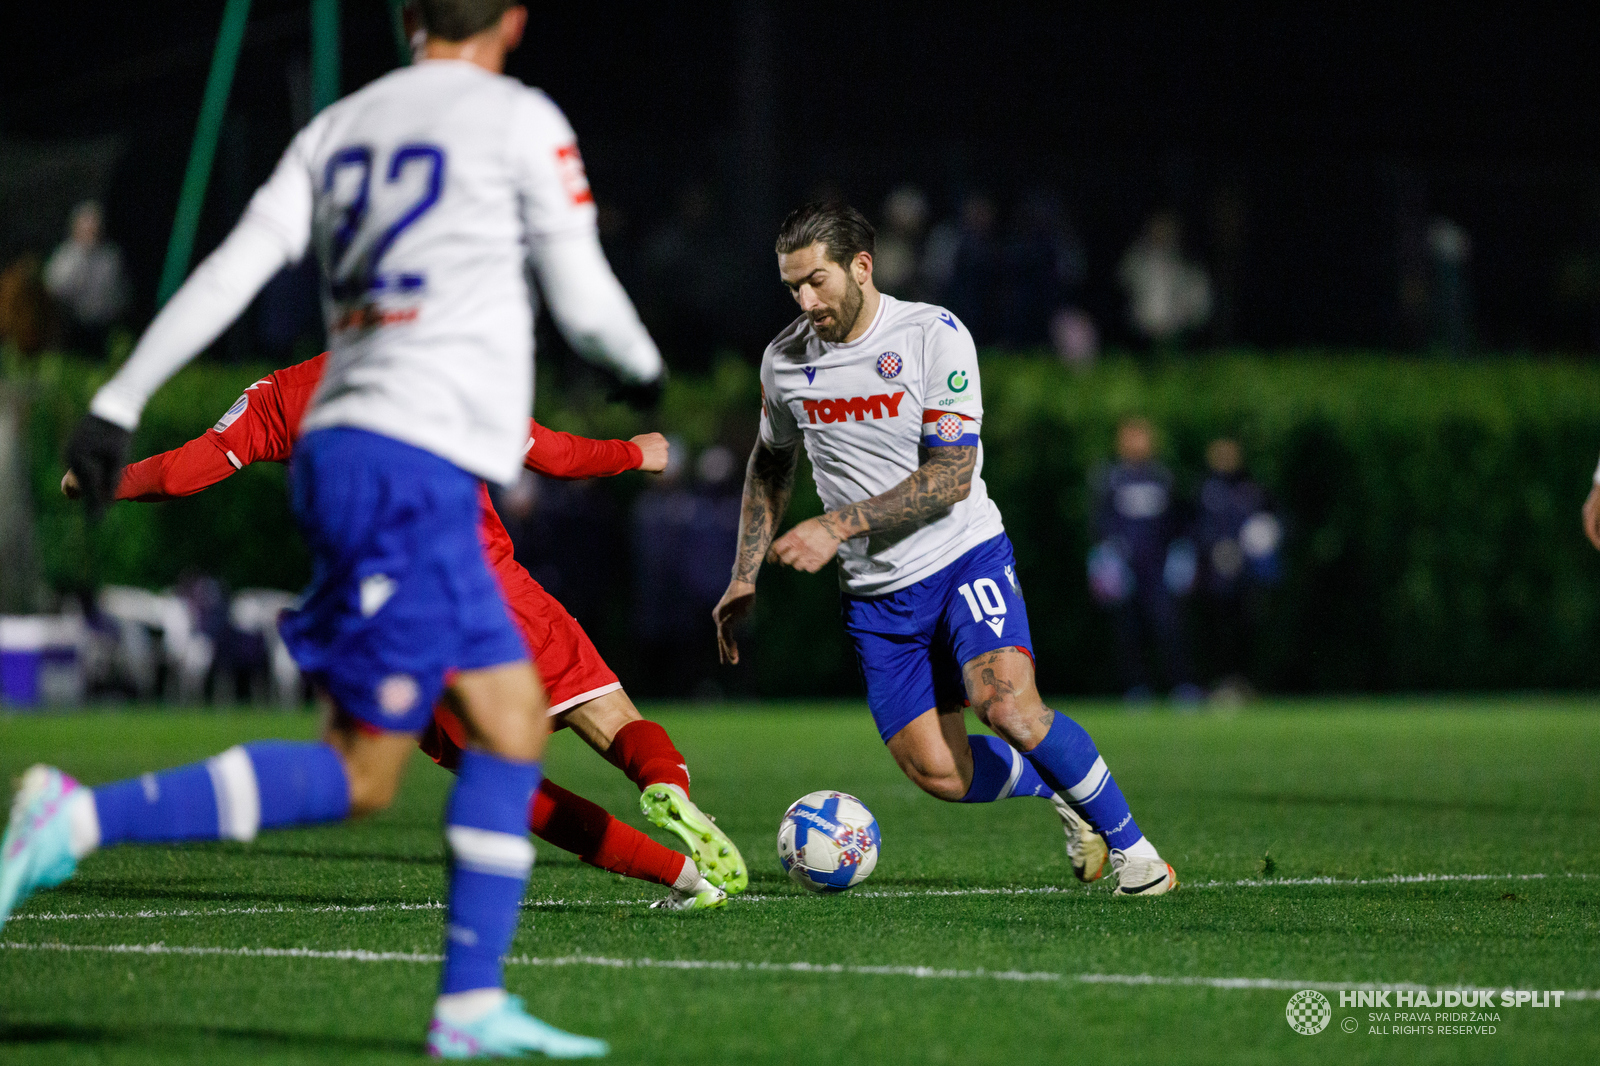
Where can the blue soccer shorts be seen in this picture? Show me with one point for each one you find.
(401, 591)
(911, 643)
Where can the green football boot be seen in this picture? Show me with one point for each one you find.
(716, 857)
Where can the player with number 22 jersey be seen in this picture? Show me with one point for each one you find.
(426, 197)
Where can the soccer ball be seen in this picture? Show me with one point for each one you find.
(828, 841)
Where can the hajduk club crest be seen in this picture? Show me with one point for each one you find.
(889, 365)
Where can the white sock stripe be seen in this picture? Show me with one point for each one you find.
(233, 781)
(1092, 782)
(485, 851)
(83, 824)
(1016, 772)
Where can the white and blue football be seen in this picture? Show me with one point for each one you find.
(828, 841)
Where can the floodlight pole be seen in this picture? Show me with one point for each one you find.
(324, 53)
(213, 106)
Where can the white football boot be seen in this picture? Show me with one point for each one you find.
(1086, 849)
(1139, 876)
(703, 897)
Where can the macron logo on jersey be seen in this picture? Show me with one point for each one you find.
(880, 406)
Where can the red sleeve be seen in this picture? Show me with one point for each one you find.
(181, 472)
(261, 426)
(264, 423)
(570, 458)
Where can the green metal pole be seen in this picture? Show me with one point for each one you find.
(324, 53)
(180, 247)
(398, 20)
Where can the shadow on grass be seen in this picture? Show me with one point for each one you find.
(92, 1035)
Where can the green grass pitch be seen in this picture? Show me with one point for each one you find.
(1283, 822)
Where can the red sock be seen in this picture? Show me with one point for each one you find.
(574, 824)
(644, 752)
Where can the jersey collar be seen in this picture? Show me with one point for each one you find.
(877, 320)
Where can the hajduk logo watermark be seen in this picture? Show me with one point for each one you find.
(1308, 1012)
(1416, 1012)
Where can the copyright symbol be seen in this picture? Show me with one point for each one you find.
(1349, 1025)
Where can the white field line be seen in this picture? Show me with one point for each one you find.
(1232, 984)
(919, 893)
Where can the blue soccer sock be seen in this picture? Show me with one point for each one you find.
(1071, 765)
(486, 826)
(228, 797)
(1000, 771)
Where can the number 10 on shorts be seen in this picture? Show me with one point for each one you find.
(984, 599)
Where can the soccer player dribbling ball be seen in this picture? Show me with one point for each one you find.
(584, 694)
(885, 396)
(424, 196)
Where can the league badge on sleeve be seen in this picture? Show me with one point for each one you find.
(889, 366)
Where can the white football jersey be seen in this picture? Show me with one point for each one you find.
(866, 411)
(421, 195)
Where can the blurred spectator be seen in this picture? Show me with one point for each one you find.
(85, 274)
(1168, 296)
(1044, 268)
(962, 266)
(1135, 527)
(895, 267)
(1449, 253)
(683, 547)
(1237, 536)
(27, 317)
(1075, 338)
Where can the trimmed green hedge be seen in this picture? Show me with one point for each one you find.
(1431, 510)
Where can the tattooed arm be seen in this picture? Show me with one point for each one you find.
(768, 484)
(942, 481)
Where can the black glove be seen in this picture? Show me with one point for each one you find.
(97, 453)
(640, 397)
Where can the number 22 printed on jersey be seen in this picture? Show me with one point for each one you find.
(356, 250)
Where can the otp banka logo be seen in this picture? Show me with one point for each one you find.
(879, 406)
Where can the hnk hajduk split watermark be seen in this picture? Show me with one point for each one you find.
(1415, 1012)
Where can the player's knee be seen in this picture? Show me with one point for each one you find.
(940, 782)
(369, 792)
(1017, 717)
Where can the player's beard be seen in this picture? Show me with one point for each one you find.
(844, 316)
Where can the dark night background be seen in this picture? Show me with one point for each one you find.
(1313, 157)
(1332, 136)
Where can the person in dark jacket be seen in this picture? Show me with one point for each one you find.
(1136, 525)
(1237, 537)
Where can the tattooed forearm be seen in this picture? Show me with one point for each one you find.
(768, 483)
(938, 484)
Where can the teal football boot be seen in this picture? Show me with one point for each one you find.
(508, 1031)
(36, 852)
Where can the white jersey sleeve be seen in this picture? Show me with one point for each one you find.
(585, 299)
(551, 183)
(274, 231)
(590, 307)
(952, 398)
(778, 428)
